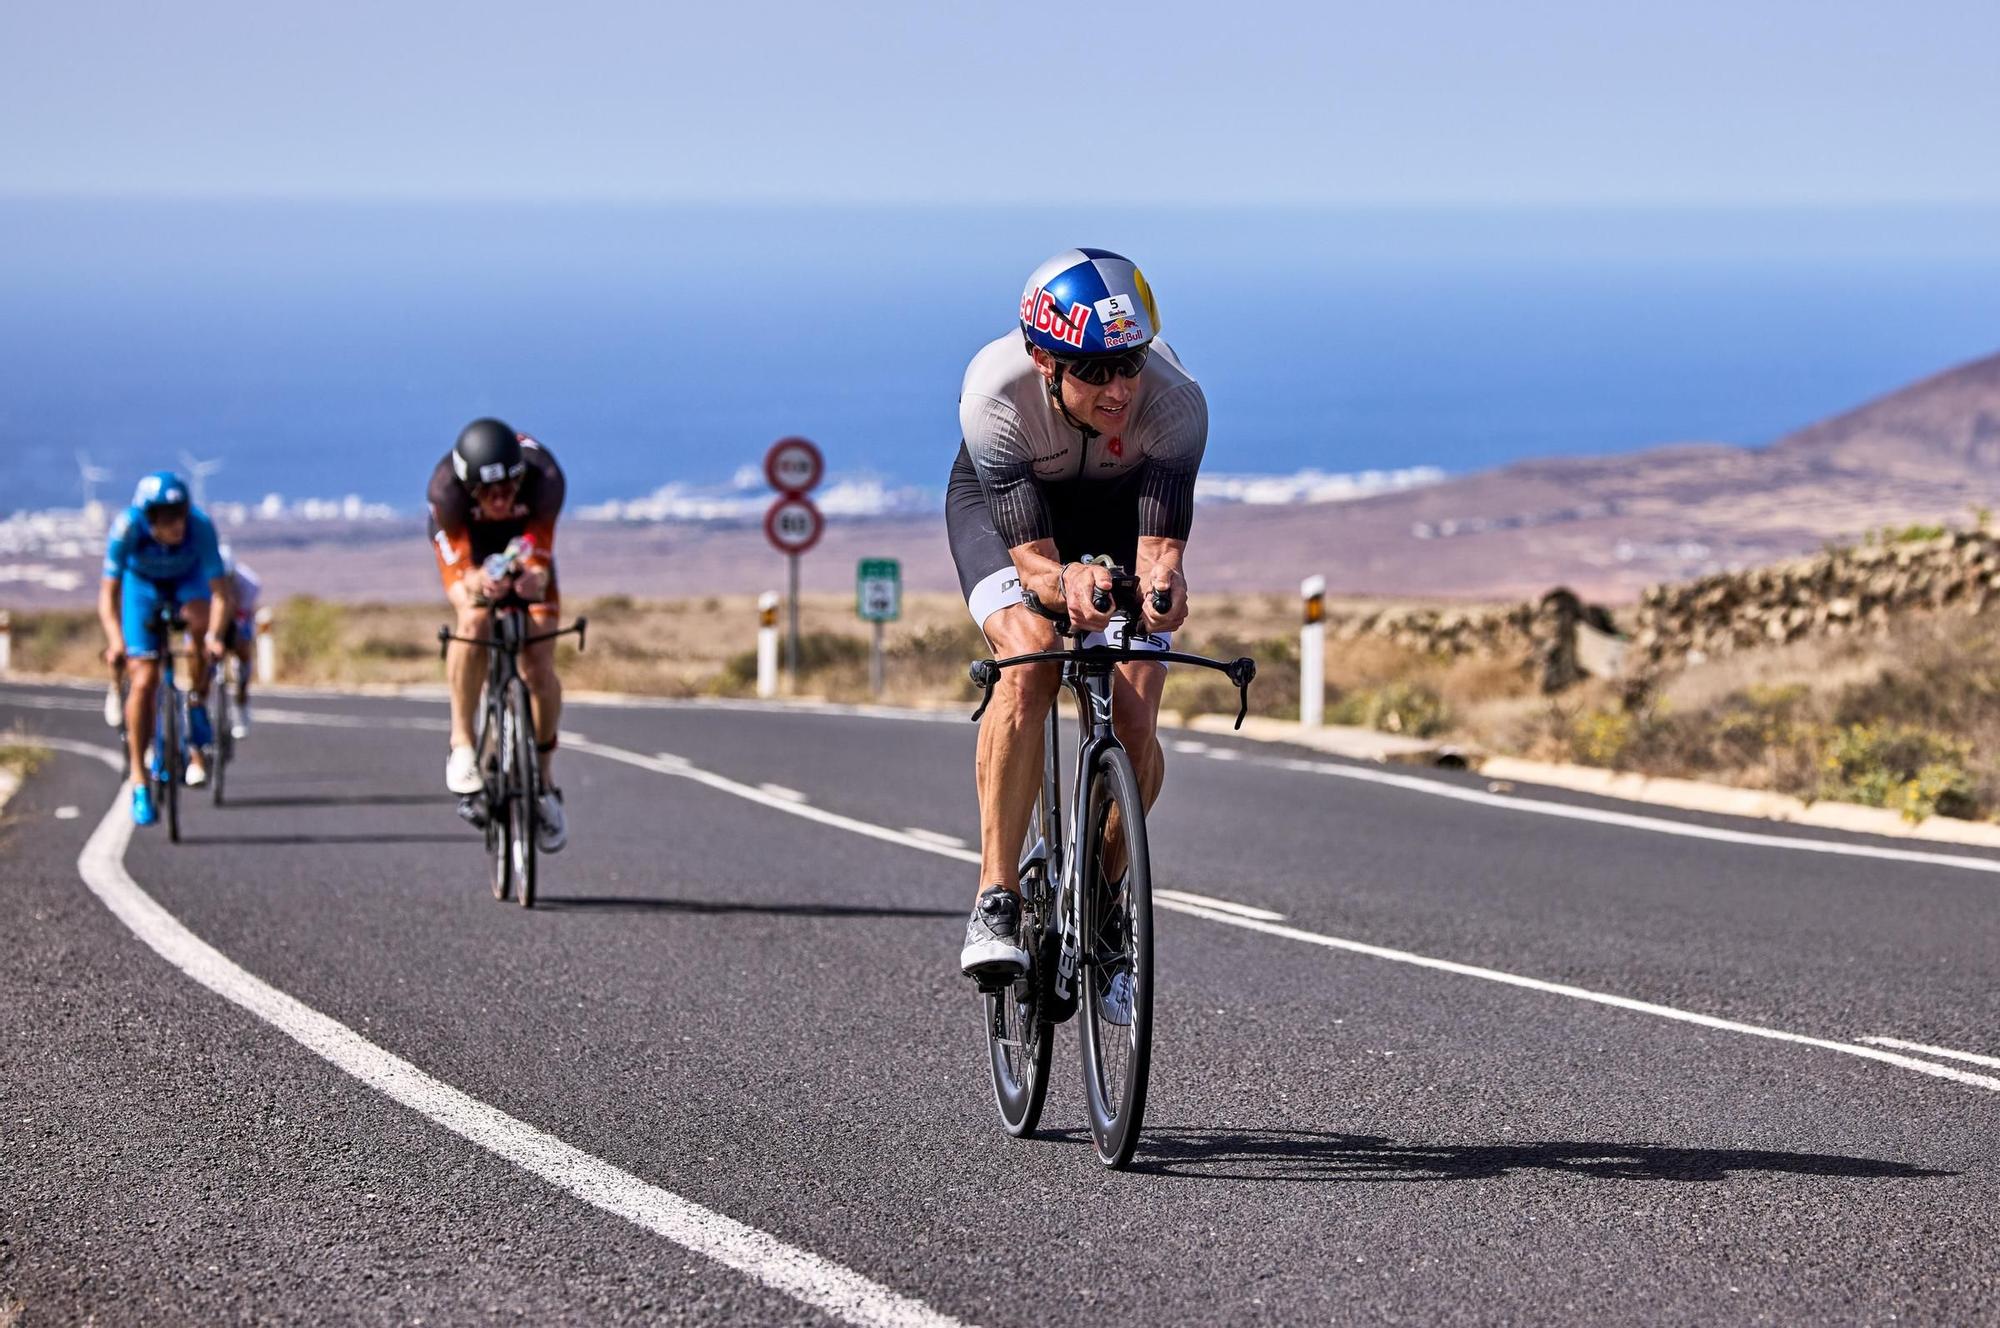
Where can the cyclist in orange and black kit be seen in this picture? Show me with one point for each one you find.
(496, 486)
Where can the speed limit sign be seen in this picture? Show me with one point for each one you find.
(793, 466)
(793, 524)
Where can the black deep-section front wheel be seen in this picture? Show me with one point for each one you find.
(523, 788)
(172, 760)
(493, 768)
(1115, 1003)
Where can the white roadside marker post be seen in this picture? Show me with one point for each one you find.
(1312, 653)
(267, 649)
(767, 645)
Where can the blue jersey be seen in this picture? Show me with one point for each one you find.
(132, 548)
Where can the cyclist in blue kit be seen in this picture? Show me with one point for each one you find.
(161, 550)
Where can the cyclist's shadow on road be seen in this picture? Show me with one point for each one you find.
(1296, 1155)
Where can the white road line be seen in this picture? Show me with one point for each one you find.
(1167, 900)
(826, 1286)
(1224, 905)
(933, 837)
(1408, 783)
(1585, 994)
(1627, 820)
(780, 791)
(683, 769)
(68, 813)
(1928, 1050)
(666, 763)
(1188, 745)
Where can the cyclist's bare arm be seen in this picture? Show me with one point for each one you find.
(1160, 569)
(1048, 579)
(110, 600)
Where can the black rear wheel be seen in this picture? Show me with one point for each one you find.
(1019, 1035)
(523, 789)
(1116, 996)
(225, 745)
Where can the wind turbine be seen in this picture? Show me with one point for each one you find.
(198, 473)
(92, 476)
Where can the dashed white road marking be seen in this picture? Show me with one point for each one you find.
(829, 1287)
(1223, 905)
(684, 769)
(66, 812)
(933, 837)
(1928, 1050)
(1438, 788)
(780, 791)
(1180, 902)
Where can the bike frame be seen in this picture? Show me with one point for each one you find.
(1087, 674)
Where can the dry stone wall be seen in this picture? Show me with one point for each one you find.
(1842, 590)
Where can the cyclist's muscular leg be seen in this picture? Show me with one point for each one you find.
(195, 614)
(538, 670)
(1010, 743)
(465, 665)
(142, 677)
(1135, 717)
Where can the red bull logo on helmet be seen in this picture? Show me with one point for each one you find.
(1040, 311)
(1122, 332)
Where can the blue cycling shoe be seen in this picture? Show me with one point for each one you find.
(143, 811)
(200, 732)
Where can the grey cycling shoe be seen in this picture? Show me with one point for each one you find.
(993, 952)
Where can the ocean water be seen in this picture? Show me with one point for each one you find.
(332, 348)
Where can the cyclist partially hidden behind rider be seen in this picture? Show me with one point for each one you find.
(162, 550)
(239, 637)
(1083, 435)
(496, 486)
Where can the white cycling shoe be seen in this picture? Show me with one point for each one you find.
(197, 774)
(551, 834)
(114, 708)
(461, 772)
(239, 721)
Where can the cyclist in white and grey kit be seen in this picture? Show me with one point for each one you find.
(1083, 435)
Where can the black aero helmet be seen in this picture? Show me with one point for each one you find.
(488, 452)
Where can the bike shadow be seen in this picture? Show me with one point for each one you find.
(343, 800)
(1326, 1157)
(654, 904)
(422, 838)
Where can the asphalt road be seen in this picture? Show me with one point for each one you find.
(1498, 1060)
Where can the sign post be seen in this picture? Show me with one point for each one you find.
(792, 524)
(878, 598)
(1312, 653)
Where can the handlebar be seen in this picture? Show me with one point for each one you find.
(446, 636)
(985, 673)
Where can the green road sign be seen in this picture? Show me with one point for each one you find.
(878, 589)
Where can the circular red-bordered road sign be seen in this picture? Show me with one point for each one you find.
(794, 465)
(793, 524)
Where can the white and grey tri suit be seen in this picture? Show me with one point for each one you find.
(1026, 472)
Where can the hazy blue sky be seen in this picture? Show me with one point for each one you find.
(1697, 102)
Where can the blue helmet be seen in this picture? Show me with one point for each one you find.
(161, 489)
(1088, 302)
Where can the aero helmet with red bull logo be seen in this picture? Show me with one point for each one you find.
(1086, 302)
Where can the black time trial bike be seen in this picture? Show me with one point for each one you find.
(1087, 928)
(505, 810)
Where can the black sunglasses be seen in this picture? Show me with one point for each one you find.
(1101, 369)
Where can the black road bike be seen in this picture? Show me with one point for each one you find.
(166, 769)
(221, 721)
(1088, 934)
(505, 810)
